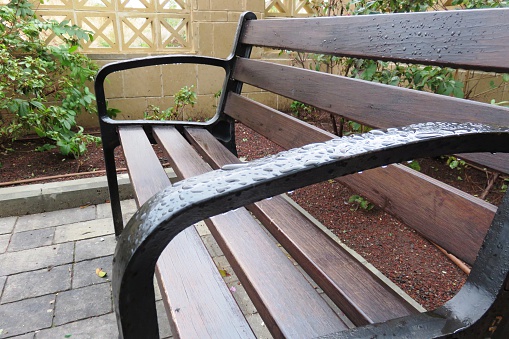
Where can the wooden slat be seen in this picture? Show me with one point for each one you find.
(444, 214)
(369, 103)
(328, 264)
(288, 304)
(187, 276)
(461, 39)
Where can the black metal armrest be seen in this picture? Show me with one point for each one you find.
(172, 210)
(144, 62)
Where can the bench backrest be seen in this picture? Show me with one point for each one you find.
(454, 220)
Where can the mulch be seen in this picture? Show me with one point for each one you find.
(409, 260)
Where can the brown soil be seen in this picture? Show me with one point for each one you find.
(410, 261)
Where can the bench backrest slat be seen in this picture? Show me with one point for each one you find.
(445, 214)
(372, 104)
(446, 38)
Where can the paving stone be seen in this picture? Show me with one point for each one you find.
(239, 293)
(2, 283)
(7, 224)
(95, 247)
(4, 242)
(258, 326)
(162, 320)
(54, 218)
(82, 303)
(202, 228)
(37, 283)
(36, 258)
(212, 246)
(128, 207)
(104, 326)
(85, 275)
(26, 315)
(31, 239)
(83, 230)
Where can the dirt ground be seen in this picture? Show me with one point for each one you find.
(409, 260)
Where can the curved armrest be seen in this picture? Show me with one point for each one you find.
(172, 210)
(144, 62)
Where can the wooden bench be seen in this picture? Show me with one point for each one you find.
(214, 186)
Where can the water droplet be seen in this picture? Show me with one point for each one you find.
(230, 167)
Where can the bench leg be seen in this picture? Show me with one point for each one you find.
(111, 175)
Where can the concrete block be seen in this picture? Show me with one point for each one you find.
(36, 258)
(174, 77)
(239, 293)
(54, 218)
(142, 82)
(77, 304)
(234, 16)
(130, 108)
(15, 320)
(95, 247)
(104, 326)
(224, 33)
(222, 5)
(210, 79)
(202, 5)
(31, 239)
(204, 37)
(83, 230)
(84, 273)
(114, 85)
(37, 283)
(7, 224)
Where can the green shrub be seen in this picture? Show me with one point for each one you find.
(43, 87)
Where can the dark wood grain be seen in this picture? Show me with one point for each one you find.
(194, 291)
(288, 304)
(139, 156)
(438, 211)
(327, 263)
(372, 104)
(445, 38)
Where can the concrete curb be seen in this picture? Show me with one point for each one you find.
(38, 198)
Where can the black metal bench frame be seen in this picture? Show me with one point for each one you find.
(478, 310)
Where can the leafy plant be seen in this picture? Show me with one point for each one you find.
(414, 164)
(183, 98)
(298, 107)
(504, 186)
(360, 202)
(34, 76)
(454, 162)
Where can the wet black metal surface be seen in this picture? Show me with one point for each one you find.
(481, 306)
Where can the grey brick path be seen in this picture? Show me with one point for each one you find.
(48, 282)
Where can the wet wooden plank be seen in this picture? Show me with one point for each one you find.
(443, 38)
(193, 290)
(360, 294)
(288, 304)
(445, 214)
(386, 106)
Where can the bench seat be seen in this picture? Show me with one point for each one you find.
(242, 203)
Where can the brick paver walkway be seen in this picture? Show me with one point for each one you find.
(48, 282)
